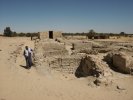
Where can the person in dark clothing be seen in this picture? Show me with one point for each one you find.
(28, 57)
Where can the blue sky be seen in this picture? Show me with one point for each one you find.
(67, 15)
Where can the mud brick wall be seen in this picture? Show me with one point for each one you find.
(124, 63)
(82, 46)
(51, 48)
(53, 55)
(67, 64)
(45, 35)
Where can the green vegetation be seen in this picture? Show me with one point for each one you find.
(9, 33)
(90, 35)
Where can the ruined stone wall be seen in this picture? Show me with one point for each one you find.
(51, 48)
(82, 46)
(57, 34)
(123, 62)
(45, 35)
(120, 61)
(93, 65)
(65, 64)
(53, 55)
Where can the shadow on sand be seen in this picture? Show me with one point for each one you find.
(24, 66)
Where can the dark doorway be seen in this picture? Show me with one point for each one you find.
(51, 34)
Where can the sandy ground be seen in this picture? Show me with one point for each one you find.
(18, 83)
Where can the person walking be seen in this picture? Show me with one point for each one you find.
(28, 57)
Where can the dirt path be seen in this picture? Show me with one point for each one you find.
(18, 83)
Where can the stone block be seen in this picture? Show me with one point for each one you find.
(123, 62)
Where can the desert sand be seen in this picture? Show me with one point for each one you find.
(18, 83)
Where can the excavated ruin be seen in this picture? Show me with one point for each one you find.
(120, 61)
(93, 65)
(83, 58)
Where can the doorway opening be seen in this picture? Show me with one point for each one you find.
(51, 34)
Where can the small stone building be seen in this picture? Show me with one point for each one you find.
(50, 35)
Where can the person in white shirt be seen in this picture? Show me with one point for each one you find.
(28, 56)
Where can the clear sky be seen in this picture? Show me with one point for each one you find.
(67, 15)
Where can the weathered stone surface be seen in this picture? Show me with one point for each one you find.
(51, 48)
(109, 58)
(69, 56)
(85, 51)
(82, 45)
(93, 65)
(123, 62)
(66, 64)
(120, 61)
(55, 56)
(45, 35)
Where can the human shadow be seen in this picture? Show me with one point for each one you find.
(24, 66)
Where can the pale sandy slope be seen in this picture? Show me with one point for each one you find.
(18, 83)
